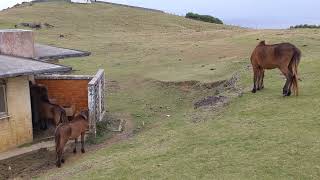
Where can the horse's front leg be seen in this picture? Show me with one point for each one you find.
(261, 79)
(75, 145)
(82, 142)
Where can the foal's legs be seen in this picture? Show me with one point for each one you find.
(59, 158)
(75, 145)
(82, 142)
(59, 152)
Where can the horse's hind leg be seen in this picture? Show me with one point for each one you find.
(255, 78)
(75, 145)
(287, 87)
(82, 143)
(59, 159)
(260, 78)
(286, 90)
(290, 84)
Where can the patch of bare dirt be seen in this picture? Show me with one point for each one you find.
(112, 86)
(211, 101)
(127, 127)
(191, 85)
(224, 93)
(27, 165)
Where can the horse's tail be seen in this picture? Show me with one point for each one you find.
(293, 68)
(57, 135)
(65, 118)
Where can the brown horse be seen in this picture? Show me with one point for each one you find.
(71, 130)
(52, 113)
(284, 56)
(43, 111)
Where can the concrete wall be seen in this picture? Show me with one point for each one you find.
(17, 128)
(67, 92)
(17, 42)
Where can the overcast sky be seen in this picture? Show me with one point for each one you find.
(251, 13)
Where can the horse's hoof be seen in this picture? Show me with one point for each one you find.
(284, 93)
(74, 151)
(62, 160)
(83, 151)
(58, 165)
(254, 91)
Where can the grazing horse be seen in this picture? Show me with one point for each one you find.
(284, 56)
(71, 130)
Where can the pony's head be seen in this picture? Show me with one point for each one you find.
(84, 114)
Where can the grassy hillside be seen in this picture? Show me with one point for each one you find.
(151, 60)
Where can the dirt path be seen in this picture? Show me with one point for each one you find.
(42, 160)
(24, 150)
(124, 135)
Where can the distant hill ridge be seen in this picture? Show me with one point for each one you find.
(111, 3)
(124, 5)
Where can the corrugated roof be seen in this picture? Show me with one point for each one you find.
(45, 52)
(14, 66)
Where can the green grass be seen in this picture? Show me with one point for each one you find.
(257, 136)
(103, 133)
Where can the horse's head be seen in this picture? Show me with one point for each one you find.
(85, 114)
(40, 91)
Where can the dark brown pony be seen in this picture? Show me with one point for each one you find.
(71, 130)
(52, 113)
(284, 56)
(43, 111)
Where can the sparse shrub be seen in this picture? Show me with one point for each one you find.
(103, 133)
(205, 18)
(304, 26)
(105, 129)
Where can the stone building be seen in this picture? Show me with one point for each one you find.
(21, 62)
